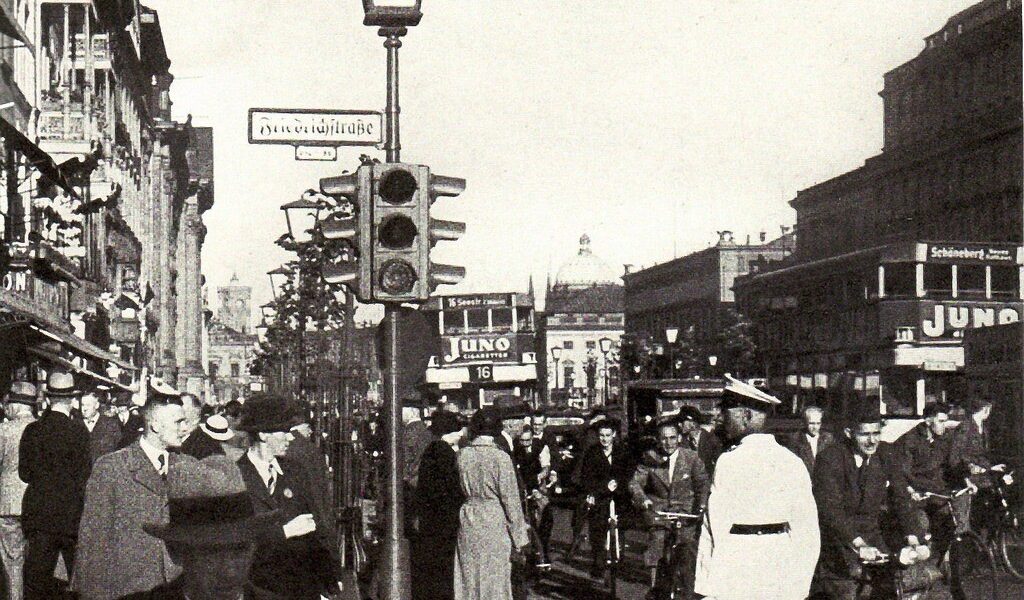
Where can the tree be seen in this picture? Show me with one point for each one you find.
(737, 347)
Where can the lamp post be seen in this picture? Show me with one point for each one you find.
(671, 335)
(556, 355)
(712, 360)
(393, 17)
(302, 215)
(606, 345)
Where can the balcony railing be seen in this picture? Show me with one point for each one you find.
(100, 49)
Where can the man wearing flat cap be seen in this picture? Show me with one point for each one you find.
(53, 459)
(692, 436)
(760, 534)
(20, 402)
(292, 556)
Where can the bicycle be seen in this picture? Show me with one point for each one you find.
(970, 564)
(890, 577)
(1006, 534)
(676, 559)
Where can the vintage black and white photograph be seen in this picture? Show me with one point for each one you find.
(511, 300)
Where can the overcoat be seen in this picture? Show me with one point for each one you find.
(491, 522)
(105, 436)
(53, 460)
(116, 557)
(801, 447)
(12, 488)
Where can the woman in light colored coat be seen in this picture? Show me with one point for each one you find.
(491, 523)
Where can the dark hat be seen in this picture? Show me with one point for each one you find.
(22, 392)
(738, 393)
(865, 412)
(444, 422)
(486, 421)
(266, 413)
(61, 384)
(605, 423)
(977, 403)
(209, 505)
(688, 413)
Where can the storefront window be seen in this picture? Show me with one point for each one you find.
(970, 281)
(900, 280)
(1005, 282)
(938, 280)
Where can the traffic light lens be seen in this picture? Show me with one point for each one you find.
(397, 232)
(397, 277)
(397, 187)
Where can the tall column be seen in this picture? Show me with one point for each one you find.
(189, 300)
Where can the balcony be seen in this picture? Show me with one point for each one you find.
(65, 126)
(100, 51)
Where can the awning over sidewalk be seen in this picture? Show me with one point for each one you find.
(71, 366)
(36, 156)
(80, 346)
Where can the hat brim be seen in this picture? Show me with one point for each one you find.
(231, 533)
(19, 399)
(220, 437)
(63, 393)
(268, 427)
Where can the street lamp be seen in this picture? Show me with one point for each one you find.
(712, 360)
(606, 345)
(277, 278)
(392, 13)
(556, 355)
(302, 216)
(671, 335)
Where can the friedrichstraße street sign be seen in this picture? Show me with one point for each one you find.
(314, 127)
(326, 153)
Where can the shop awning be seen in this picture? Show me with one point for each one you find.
(10, 27)
(80, 346)
(71, 366)
(36, 156)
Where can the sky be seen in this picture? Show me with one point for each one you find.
(647, 125)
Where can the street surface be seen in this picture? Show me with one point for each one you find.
(571, 582)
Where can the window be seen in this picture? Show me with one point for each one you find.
(501, 318)
(567, 345)
(212, 368)
(970, 280)
(477, 320)
(938, 280)
(1005, 282)
(235, 370)
(900, 279)
(591, 344)
(453, 322)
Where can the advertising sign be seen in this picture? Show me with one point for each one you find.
(971, 253)
(476, 301)
(45, 297)
(949, 319)
(311, 127)
(480, 347)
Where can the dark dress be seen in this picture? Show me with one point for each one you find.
(437, 503)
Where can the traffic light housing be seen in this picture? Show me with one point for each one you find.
(404, 233)
(354, 268)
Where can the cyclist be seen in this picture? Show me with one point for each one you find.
(970, 448)
(673, 479)
(854, 479)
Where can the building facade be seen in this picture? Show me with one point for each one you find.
(582, 307)
(232, 344)
(896, 259)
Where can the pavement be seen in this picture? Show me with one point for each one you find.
(568, 580)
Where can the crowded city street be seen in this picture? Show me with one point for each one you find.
(507, 300)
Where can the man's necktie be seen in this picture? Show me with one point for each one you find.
(693, 442)
(161, 461)
(272, 481)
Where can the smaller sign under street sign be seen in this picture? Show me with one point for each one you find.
(313, 127)
(327, 153)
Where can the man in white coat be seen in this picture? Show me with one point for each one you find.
(760, 536)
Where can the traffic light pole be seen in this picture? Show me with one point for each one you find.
(394, 583)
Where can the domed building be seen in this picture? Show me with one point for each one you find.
(580, 331)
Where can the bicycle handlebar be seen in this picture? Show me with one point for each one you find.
(676, 516)
(951, 496)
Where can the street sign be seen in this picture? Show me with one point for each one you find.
(327, 153)
(481, 373)
(314, 127)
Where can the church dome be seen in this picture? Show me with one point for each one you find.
(585, 269)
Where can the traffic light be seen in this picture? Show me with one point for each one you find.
(352, 268)
(403, 232)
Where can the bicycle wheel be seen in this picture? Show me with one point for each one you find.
(1011, 549)
(972, 568)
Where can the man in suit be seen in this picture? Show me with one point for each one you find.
(693, 436)
(853, 480)
(304, 452)
(53, 459)
(127, 489)
(809, 443)
(104, 432)
(20, 402)
(534, 471)
(292, 556)
(670, 479)
(604, 476)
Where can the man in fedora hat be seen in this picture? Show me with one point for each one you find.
(53, 459)
(760, 535)
(20, 402)
(104, 431)
(293, 557)
(128, 488)
(212, 529)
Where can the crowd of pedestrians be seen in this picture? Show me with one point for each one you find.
(162, 499)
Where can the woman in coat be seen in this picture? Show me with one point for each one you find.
(491, 519)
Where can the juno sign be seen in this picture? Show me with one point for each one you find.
(312, 127)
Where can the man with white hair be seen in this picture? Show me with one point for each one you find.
(809, 443)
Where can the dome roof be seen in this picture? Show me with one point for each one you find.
(585, 269)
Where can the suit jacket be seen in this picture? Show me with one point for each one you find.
(709, 447)
(688, 491)
(969, 447)
(596, 472)
(199, 445)
(927, 466)
(12, 488)
(305, 454)
(115, 557)
(53, 459)
(801, 447)
(105, 436)
(301, 567)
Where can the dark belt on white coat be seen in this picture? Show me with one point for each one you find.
(759, 529)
